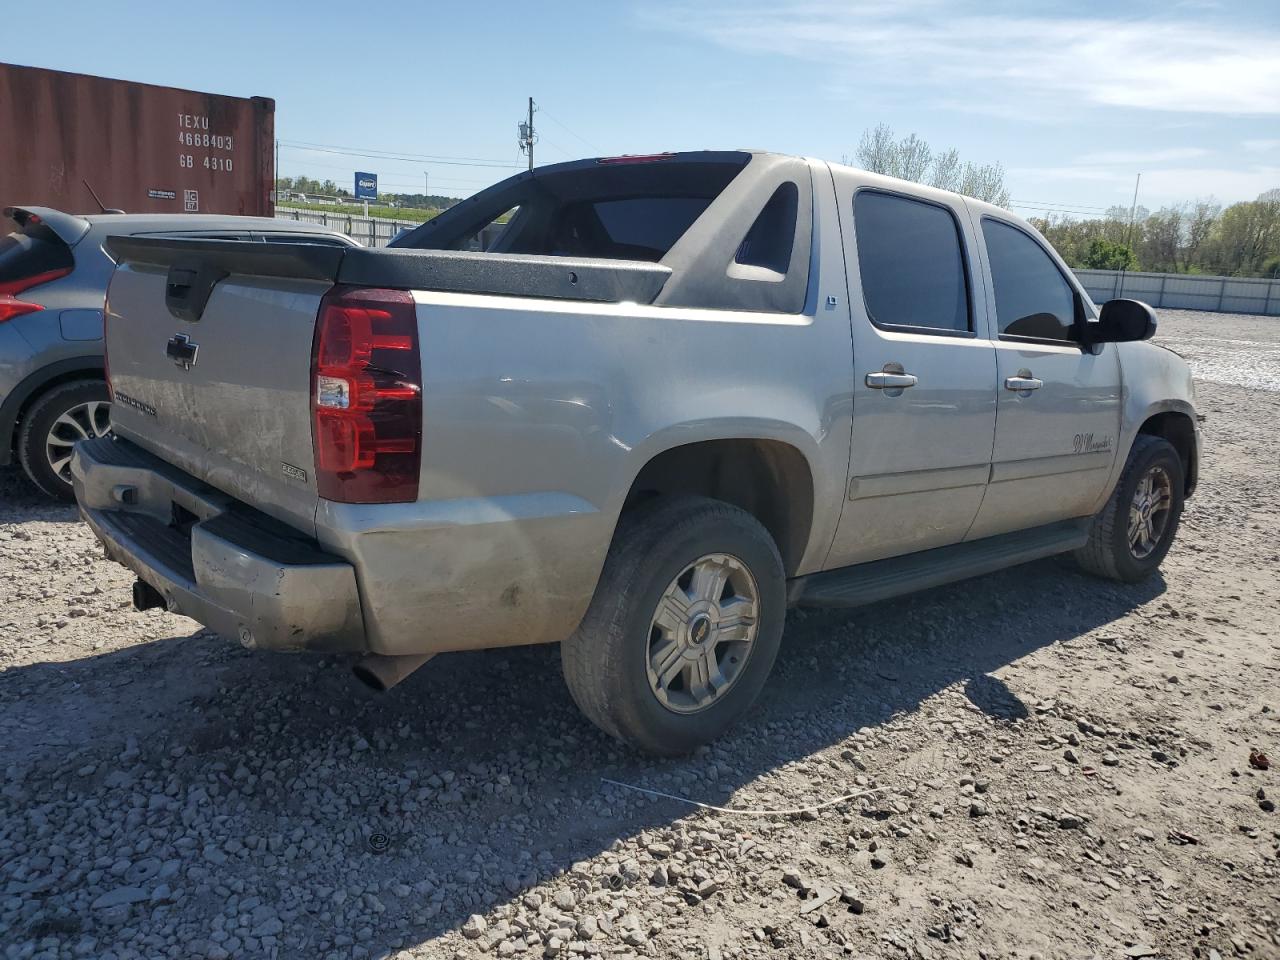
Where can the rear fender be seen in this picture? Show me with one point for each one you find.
(826, 497)
(13, 405)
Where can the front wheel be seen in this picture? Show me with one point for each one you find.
(683, 628)
(1130, 536)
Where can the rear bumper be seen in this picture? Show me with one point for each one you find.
(237, 571)
(396, 578)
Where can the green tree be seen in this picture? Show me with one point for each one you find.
(1104, 254)
(1245, 236)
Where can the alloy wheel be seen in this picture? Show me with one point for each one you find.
(702, 633)
(1149, 512)
(82, 422)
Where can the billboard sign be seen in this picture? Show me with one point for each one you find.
(366, 186)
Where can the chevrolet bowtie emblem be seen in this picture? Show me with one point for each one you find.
(182, 351)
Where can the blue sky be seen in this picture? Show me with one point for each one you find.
(1073, 98)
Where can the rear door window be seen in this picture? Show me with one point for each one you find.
(912, 264)
(1033, 299)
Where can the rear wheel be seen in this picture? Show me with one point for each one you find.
(1129, 538)
(70, 412)
(683, 628)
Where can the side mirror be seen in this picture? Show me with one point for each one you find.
(1122, 321)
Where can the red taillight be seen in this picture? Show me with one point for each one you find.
(11, 287)
(366, 397)
(11, 306)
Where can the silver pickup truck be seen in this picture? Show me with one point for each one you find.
(677, 394)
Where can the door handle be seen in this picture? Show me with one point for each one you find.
(883, 380)
(1021, 383)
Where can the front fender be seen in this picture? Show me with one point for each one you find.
(1155, 381)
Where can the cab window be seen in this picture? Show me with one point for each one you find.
(912, 264)
(1033, 299)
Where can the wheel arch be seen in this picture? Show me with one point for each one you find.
(1179, 428)
(30, 389)
(771, 479)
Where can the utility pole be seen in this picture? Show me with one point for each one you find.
(276, 191)
(1128, 240)
(527, 136)
(1133, 210)
(426, 187)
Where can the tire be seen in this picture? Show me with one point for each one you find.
(66, 413)
(1109, 552)
(682, 543)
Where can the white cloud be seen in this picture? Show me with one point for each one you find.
(1129, 157)
(1071, 173)
(1160, 186)
(1261, 146)
(1232, 185)
(1163, 64)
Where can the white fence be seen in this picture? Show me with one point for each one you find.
(1184, 291)
(378, 231)
(371, 231)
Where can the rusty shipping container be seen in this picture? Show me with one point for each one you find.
(142, 148)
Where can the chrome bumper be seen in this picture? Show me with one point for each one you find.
(237, 571)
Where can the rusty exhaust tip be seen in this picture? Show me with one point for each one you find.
(380, 672)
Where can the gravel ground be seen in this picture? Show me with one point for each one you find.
(1048, 765)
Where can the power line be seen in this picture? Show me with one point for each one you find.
(425, 156)
(1057, 203)
(543, 138)
(347, 167)
(568, 131)
(1049, 209)
(454, 181)
(387, 155)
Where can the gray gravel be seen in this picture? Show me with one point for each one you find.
(1048, 765)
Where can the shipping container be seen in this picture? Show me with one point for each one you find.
(65, 137)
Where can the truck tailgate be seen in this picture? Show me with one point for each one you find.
(222, 392)
(209, 344)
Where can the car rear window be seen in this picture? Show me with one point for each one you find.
(32, 251)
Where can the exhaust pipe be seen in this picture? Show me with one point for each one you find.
(381, 672)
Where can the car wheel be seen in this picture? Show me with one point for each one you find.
(1129, 538)
(683, 628)
(69, 412)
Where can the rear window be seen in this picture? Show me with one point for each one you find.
(32, 252)
(650, 225)
(625, 211)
